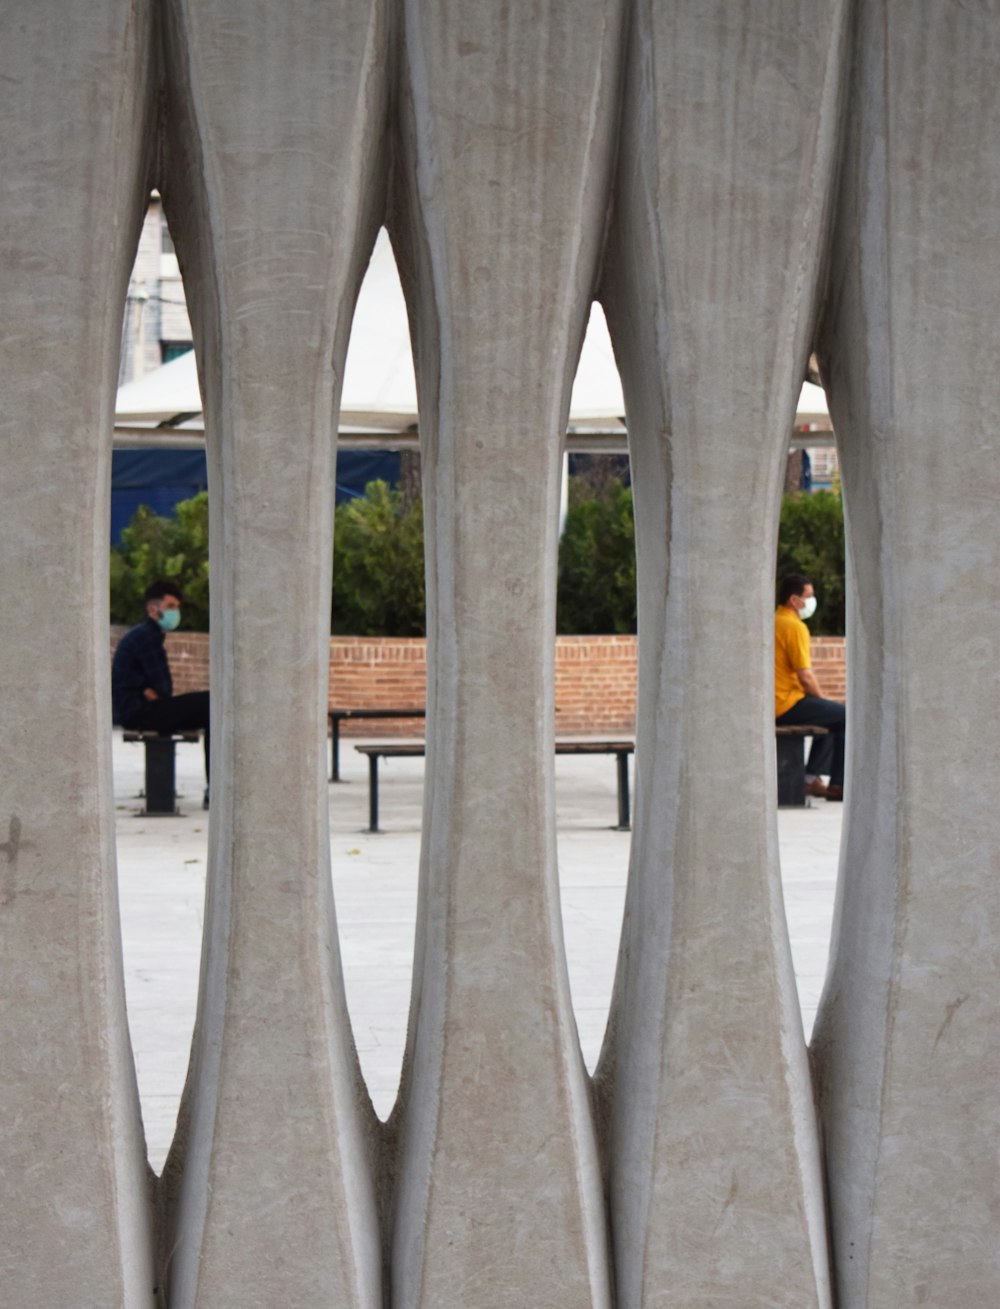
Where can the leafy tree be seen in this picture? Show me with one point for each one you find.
(597, 563)
(811, 541)
(378, 564)
(175, 548)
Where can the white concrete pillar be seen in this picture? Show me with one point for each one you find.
(509, 118)
(276, 121)
(907, 1041)
(76, 1222)
(726, 164)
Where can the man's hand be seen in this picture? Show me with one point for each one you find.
(150, 694)
(808, 682)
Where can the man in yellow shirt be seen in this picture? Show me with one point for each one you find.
(797, 695)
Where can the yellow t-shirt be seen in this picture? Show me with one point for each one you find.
(791, 652)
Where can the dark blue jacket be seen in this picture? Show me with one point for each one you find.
(140, 661)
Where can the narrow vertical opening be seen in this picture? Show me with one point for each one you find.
(811, 544)
(159, 531)
(377, 690)
(595, 682)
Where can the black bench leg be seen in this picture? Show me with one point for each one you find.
(335, 748)
(791, 770)
(373, 793)
(624, 807)
(161, 797)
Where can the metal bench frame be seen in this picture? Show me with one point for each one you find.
(791, 757)
(161, 775)
(337, 716)
(413, 750)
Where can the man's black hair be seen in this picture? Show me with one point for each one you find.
(158, 589)
(793, 584)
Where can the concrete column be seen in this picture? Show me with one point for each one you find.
(907, 1041)
(726, 163)
(75, 1224)
(508, 129)
(276, 121)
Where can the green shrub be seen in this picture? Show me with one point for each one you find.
(811, 541)
(174, 548)
(597, 558)
(597, 564)
(379, 561)
(378, 564)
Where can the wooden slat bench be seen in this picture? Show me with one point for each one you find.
(338, 715)
(792, 762)
(161, 792)
(415, 749)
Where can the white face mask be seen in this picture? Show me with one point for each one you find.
(808, 607)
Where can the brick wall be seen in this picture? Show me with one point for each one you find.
(595, 684)
(384, 672)
(595, 678)
(830, 666)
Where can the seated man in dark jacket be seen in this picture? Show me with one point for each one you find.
(142, 690)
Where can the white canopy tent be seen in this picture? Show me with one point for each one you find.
(379, 401)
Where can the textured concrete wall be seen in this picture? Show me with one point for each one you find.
(506, 147)
(699, 167)
(75, 102)
(724, 176)
(270, 179)
(907, 1044)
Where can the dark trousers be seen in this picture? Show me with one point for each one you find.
(181, 713)
(827, 752)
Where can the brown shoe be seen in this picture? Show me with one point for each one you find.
(818, 787)
(835, 793)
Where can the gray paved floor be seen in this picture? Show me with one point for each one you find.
(162, 873)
